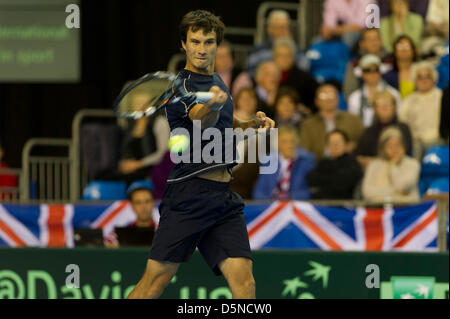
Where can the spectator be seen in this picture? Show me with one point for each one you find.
(360, 102)
(245, 104)
(142, 203)
(385, 106)
(144, 145)
(437, 19)
(232, 76)
(344, 19)
(417, 6)
(267, 81)
(392, 176)
(370, 43)
(289, 181)
(286, 112)
(245, 173)
(278, 26)
(421, 110)
(337, 175)
(444, 127)
(283, 56)
(315, 128)
(399, 77)
(400, 22)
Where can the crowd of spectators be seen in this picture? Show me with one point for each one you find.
(357, 133)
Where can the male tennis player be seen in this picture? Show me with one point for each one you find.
(198, 208)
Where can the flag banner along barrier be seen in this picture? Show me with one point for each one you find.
(280, 225)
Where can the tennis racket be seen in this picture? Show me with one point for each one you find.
(152, 92)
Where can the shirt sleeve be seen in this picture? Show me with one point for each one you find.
(329, 14)
(181, 106)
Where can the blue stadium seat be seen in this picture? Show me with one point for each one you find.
(328, 60)
(443, 70)
(434, 166)
(105, 190)
(438, 186)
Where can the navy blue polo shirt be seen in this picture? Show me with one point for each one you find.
(178, 117)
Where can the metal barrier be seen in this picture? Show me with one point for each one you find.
(10, 193)
(442, 210)
(46, 178)
(241, 50)
(311, 20)
(77, 171)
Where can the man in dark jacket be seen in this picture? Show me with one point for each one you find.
(337, 175)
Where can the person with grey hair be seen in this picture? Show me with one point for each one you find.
(421, 110)
(392, 176)
(284, 50)
(278, 26)
(267, 80)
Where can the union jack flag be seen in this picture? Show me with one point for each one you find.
(53, 225)
(281, 225)
(300, 225)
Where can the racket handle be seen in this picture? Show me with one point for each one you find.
(203, 97)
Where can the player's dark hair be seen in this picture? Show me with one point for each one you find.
(202, 20)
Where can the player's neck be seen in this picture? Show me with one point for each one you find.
(207, 71)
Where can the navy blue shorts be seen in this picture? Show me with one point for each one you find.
(203, 214)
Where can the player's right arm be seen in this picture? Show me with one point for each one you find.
(208, 113)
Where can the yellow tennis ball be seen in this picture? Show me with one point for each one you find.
(178, 143)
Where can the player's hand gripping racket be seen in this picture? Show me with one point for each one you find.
(152, 92)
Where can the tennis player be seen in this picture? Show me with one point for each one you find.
(198, 209)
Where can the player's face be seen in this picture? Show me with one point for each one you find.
(142, 204)
(200, 51)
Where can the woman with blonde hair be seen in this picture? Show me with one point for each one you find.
(392, 176)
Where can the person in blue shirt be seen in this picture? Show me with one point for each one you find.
(289, 181)
(198, 208)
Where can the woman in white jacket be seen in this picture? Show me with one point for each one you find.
(392, 176)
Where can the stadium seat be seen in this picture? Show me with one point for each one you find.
(329, 60)
(438, 186)
(443, 70)
(434, 166)
(105, 190)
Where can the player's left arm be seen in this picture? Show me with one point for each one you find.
(260, 121)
